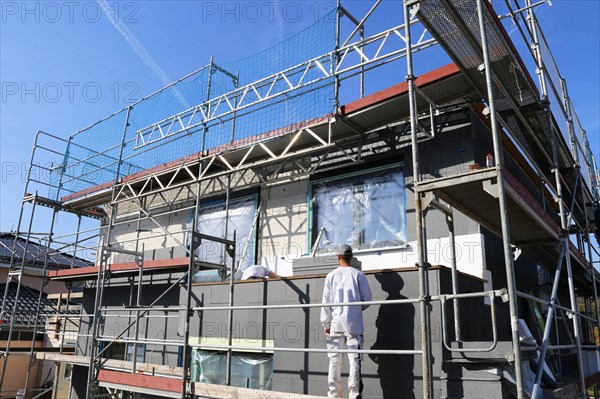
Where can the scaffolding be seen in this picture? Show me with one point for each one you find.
(213, 132)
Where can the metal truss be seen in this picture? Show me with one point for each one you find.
(338, 63)
(221, 164)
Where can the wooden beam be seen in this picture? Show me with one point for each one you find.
(140, 380)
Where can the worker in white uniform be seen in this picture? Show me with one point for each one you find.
(258, 272)
(344, 324)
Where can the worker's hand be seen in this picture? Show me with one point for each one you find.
(327, 330)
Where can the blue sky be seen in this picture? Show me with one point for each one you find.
(64, 65)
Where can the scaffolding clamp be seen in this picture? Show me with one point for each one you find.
(196, 241)
(425, 265)
(504, 295)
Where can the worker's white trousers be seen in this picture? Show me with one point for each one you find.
(336, 360)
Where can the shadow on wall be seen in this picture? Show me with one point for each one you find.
(395, 330)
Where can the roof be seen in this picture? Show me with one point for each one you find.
(27, 306)
(35, 252)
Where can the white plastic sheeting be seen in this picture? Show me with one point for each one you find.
(211, 221)
(248, 370)
(364, 211)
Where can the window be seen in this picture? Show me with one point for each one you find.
(248, 370)
(141, 353)
(211, 221)
(366, 210)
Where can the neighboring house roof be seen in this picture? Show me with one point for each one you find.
(28, 299)
(34, 254)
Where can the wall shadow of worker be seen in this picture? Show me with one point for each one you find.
(395, 330)
(304, 298)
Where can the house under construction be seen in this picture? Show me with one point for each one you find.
(467, 189)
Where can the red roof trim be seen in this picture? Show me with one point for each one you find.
(401, 88)
(87, 191)
(121, 267)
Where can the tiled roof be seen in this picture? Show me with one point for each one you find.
(28, 298)
(34, 254)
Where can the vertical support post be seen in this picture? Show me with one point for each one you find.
(541, 69)
(231, 284)
(103, 269)
(140, 262)
(362, 68)
(592, 270)
(336, 60)
(20, 220)
(19, 282)
(95, 322)
(120, 161)
(236, 83)
(140, 277)
(576, 329)
(452, 242)
(40, 297)
(567, 109)
(186, 346)
(64, 168)
(65, 320)
(76, 243)
(420, 223)
(533, 26)
(572, 294)
(547, 328)
(508, 255)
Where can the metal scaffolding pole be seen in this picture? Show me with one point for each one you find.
(102, 273)
(564, 254)
(20, 220)
(576, 329)
(450, 221)
(193, 245)
(572, 294)
(422, 264)
(508, 255)
(32, 359)
(592, 269)
(230, 313)
(233, 266)
(19, 275)
(336, 59)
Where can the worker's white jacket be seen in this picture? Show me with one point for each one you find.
(344, 284)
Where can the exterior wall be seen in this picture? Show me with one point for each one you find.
(157, 244)
(283, 226)
(160, 326)
(388, 327)
(53, 287)
(284, 223)
(16, 372)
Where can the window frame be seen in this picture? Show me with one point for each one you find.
(312, 232)
(251, 253)
(223, 352)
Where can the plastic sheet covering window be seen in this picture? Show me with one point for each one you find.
(364, 211)
(211, 221)
(248, 370)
